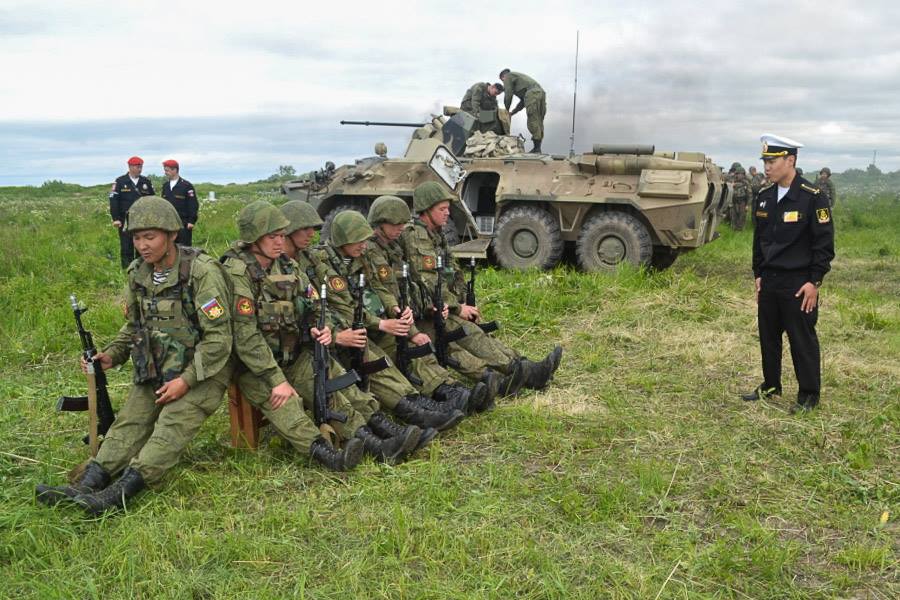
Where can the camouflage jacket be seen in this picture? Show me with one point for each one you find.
(421, 248)
(742, 189)
(827, 187)
(517, 84)
(185, 321)
(757, 182)
(386, 260)
(477, 99)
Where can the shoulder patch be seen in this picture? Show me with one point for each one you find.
(212, 309)
(243, 306)
(337, 283)
(428, 262)
(383, 272)
(810, 189)
(823, 215)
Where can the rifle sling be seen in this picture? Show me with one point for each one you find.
(455, 335)
(489, 327)
(374, 366)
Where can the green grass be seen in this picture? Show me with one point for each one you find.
(638, 474)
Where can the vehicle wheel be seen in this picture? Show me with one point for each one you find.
(609, 239)
(527, 236)
(326, 228)
(663, 257)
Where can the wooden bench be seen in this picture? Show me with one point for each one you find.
(246, 420)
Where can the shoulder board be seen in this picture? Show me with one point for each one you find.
(810, 189)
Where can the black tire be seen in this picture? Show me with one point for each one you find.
(611, 238)
(663, 257)
(341, 207)
(527, 236)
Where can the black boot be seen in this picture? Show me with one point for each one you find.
(761, 392)
(337, 460)
(806, 401)
(460, 397)
(409, 410)
(93, 479)
(125, 487)
(428, 404)
(536, 149)
(389, 449)
(382, 426)
(505, 385)
(539, 374)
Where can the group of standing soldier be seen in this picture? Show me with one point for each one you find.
(480, 101)
(381, 309)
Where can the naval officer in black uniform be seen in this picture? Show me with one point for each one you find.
(793, 245)
(180, 192)
(125, 191)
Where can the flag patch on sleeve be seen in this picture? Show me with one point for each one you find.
(212, 309)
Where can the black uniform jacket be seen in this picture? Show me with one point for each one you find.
(184, 198)
(124, 193)
(796, 234)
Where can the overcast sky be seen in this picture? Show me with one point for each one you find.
(232, 90)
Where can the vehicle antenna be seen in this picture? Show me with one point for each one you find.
(574, 99)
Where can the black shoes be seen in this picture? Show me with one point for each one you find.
(93, 479)
(762, 392)
(538, 374)
(410, 410)
(389, 449)
(337, 460)
(124, 488)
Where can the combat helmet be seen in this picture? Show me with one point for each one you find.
(301, 215)
(349, 227)
(388, 209)
(825, 170)
(740, 169)
(734, 167)
(427, 195)
(153, 212)
(258, 219)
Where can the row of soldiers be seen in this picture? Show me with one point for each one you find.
(378, 318)
(746, 188)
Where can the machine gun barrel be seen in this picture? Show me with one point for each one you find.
(383, 123)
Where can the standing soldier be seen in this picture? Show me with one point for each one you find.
(423, 243)
(757, 181)
(178, 334)
(180, 192)
(531, 97)
(827, 186)
(480, 101)
(741, 197)
(125, 191)
(793, 245)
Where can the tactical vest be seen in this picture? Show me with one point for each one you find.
(371, 302)
(166, 325)
(282, 306)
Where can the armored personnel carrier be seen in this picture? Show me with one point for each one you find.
(614, 204)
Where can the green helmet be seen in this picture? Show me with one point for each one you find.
(301, 215)
(153, 212)
(735, 166)
(388, 209)
(258, 219)
(825, 170)
(349, 227)
(740, 169)
(428, 194)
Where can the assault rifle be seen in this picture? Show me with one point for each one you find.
(443, 338)
(102, 413)
(324, 387)
(405, 353)
(358, 362)
(490, 326)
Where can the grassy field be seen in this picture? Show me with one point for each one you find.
(638, 474)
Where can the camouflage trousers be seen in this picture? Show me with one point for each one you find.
(149, 437)
(535, 110)
(475, 352)
(425, 369)
(388, 386)
(291, 420)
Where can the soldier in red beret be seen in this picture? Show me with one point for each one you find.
(180, 192)
(127, 188)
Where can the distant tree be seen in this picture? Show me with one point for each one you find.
(873, 170)
(286, 171)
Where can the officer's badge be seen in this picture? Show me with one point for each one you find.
(823, 215)
(791, 216)
(383, 272)
(337, 284)
(212, 309)
(190, 192)
(428, 262)
(762, 214)
(244, 306)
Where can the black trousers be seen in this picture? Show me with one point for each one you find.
(126, 247)
(779, 312)
(185, 236)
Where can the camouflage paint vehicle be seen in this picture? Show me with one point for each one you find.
(613, 204)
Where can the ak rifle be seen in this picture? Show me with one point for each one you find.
(405, 352)
(490, 326)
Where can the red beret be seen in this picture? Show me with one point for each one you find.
(170, 163)
(135, 160)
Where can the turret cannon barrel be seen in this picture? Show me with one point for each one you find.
(383, 123)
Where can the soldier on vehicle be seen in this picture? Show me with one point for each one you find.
(125, 191)
(827, 186)
(181, 193)
(275, 309)
(423, 242)
(480, 101)
(178, 335)
(531, 97)
(793, 246)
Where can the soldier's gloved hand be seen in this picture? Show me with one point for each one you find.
(117, 224)
(280, 394)
(394, 326)
(420, 339)
(172, 391)
(101, 359)
(469, 313)
(351, 338)
(322, 336)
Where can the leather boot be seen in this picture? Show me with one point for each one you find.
(459, 396)
(337, 460)
(428, 404)
(409, 410)
(539, 374)
(114, 496)
(761, 392)
(508, 385)
(93, 479)
(390, 450)
(382, 426)
(536, 149)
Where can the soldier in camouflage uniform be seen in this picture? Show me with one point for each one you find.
(480, 101)
(422, 243)
(531, 97)
(757, 181)
(825, 184)
(741, 197)
(274, 307)
(178, 334)
(388, 386)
